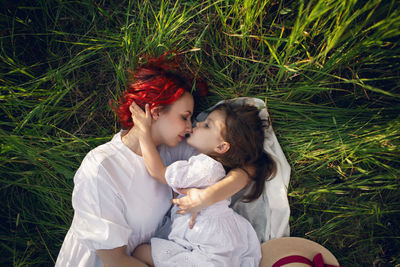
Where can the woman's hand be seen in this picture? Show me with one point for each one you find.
(141, 120)
(193, 202)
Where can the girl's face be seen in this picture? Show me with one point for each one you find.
(206, 136)
(171, 126)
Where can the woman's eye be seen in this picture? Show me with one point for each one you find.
(206, 125)
(184, 118)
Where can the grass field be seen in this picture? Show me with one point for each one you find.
(330, 71)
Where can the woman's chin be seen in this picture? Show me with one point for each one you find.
(173, 143)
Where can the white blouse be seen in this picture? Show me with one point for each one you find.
(116, 202)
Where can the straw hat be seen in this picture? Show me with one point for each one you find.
(306, 250)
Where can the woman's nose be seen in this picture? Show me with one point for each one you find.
(189, 126)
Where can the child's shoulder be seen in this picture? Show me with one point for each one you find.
(203, 159)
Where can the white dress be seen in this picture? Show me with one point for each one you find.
(220, 236)
(116, 202)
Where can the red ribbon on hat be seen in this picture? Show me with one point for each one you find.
(318, 261)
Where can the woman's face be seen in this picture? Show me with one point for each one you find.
(206, 136)
(173, 124)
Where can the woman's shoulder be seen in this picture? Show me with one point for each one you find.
(103, 151)
(107, 167)
(105, 156)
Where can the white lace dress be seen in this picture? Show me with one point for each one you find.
(220, 236)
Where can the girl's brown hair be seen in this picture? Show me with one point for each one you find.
(244, 131)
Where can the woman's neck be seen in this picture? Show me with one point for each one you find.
(131, 141)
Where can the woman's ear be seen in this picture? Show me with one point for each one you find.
(155, 112)
(223, 147)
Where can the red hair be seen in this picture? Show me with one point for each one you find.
(157, 83)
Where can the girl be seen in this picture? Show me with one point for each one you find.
(117, 204)
(229, 138)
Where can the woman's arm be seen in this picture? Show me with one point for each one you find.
(117, 257)
(143, 253)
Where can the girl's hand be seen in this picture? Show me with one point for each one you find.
(198, 199)
(141, 120)
(193, 202)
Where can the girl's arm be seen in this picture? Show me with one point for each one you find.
(152, 159)
(198, 199)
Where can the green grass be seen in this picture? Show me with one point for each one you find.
(329, 70)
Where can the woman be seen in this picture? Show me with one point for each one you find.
(117, 204)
